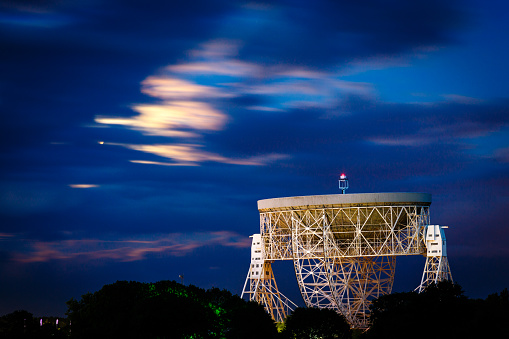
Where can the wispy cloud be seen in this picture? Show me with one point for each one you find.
(83, 186)
(502, 155)
(461, 99)
(159, 163)
(133, 249)
(6, 235)
(192, 155)
(224, 67)
(407, 140)
(459, 120)
(216, 49)
(34, 19)
(168, 88)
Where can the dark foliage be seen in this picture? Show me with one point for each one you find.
(22, 325)
(166, 309)
(440, 311)
(316, 323)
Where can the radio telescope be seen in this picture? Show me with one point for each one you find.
(343, 248)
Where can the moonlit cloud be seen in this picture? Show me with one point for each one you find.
(182, 153)
(146, 162)
(187, 154)
(172, 119)
(132, 249)
(176, 89)
(226, 67)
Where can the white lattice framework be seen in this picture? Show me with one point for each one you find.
(261, 285)
(343, 248)
(437, 266)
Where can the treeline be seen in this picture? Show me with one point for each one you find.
(440, 311)
(22, 324)
(167, 309)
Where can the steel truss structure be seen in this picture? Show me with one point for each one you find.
(437, 266)
(261, 285)
(343, 248)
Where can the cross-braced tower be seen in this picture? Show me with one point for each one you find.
(343, 248)
(261, 285)
(437, 266)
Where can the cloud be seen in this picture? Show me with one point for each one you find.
(337, 32)
(234, 68)
(216, 49)
(83, 186)
(281, 58)
(34, 20)
(191, 155)
(134, 249)
(361, 132)
(147, 162)
(461, 121)
(462, 99)
(176, 89)
(184, 119)
(502, 155)
(412, 140)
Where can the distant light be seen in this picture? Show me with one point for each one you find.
(101, 142)
(343, 176)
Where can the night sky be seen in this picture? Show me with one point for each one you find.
(137, 136)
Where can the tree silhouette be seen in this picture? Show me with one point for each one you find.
(21, 324)
(316, 323)
(166, 309)
(440, 311)
(18, 324)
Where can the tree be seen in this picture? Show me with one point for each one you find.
(440, 311)
(21, 324)
(18, 324)
(141, 310)
(316, 323)
(166, 309)
(239, 318)
(493, 315)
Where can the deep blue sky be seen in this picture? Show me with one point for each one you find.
(138, 136)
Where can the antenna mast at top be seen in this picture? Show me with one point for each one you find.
(343, 183)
